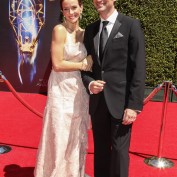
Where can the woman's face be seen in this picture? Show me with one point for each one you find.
(71, 10)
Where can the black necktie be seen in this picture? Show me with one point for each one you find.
(103, 39)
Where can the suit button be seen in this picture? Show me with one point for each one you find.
(102, 72)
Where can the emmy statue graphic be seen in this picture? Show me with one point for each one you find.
(27, 18)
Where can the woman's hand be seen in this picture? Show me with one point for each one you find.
(87, 63)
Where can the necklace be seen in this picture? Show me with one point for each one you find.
(71, 29)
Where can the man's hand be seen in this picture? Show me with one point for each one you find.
(129, 116)
(97, 86)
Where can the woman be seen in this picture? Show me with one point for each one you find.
(63, 144)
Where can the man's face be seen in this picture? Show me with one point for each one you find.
(104, 6)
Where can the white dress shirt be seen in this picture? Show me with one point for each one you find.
(112, 18)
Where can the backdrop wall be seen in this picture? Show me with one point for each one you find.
(27, 71)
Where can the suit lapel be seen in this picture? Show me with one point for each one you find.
(113, 32)
(96, 40)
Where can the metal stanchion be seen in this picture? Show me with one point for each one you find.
(158, 161)
(174, 89)
(3, 149)
(3, 79)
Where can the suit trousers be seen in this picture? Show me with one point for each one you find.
(111, 143)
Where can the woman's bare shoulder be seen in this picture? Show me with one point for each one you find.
(59, 28)
(59, 31)
(82, 31)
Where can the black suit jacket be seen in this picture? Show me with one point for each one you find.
(122, 67)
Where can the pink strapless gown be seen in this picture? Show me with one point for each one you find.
(63, 143)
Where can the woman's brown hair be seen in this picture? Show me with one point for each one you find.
(61, 1)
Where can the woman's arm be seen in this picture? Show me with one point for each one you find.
(57, 53)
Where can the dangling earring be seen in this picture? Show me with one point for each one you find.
(80, 17)
(64, 19)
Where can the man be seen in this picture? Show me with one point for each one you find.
(116, 86)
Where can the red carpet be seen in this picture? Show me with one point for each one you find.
(20, 129)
